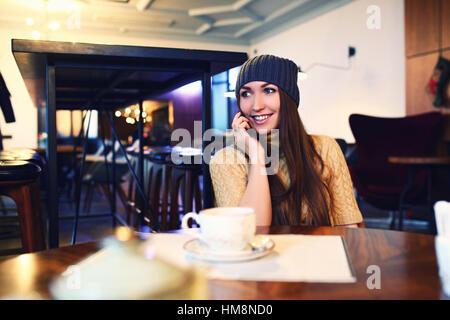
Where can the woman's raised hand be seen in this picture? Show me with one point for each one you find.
(244, 140)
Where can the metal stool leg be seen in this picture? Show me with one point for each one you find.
(78, 188)
(403, 195)
(431, 216)
(394, 218)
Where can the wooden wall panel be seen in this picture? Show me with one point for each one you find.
(418, 72)
(427, 34)
(445, 28)
(421, 26)
(446, 112)
(446, 54)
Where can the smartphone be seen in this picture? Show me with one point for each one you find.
(249, 121)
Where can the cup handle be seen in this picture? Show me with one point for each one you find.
(186, 217)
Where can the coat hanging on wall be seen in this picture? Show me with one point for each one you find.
(5, 102)
(438, 85)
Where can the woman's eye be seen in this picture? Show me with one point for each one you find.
(269, 90)
(245, 94)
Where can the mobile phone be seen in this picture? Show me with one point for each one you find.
(249, 121)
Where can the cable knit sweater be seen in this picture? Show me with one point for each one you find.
(229, 171)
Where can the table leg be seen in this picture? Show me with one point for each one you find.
(114, 187)
(80, 181)
(143, 203)
(52, 190)
(188, 191)
(393, 213)
(403, 195)
(431, 217)
(207, 124)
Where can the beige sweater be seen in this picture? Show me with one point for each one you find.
(229, 171)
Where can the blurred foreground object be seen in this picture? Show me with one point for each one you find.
(442, 243)
(126, 269)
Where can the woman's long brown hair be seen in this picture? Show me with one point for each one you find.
(305, 168)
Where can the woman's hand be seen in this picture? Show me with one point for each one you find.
(257, 192)
(242, 139)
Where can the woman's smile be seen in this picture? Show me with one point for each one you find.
(260, 119)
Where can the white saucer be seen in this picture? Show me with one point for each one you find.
(198, 249)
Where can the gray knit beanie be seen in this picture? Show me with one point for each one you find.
(278, 71)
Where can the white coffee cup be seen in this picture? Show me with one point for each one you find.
(224, 229)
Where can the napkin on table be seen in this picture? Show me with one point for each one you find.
(442, 242)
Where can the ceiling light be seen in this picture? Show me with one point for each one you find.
(30, 21)
(118, 114)
(54, 25)
(36, 34)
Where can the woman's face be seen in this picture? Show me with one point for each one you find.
(260, 103)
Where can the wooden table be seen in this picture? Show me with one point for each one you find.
(425, 161)
(407, 263)
(416, 163)
(60, 149)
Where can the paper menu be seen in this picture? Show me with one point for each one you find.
(295, 258)
(163, 264)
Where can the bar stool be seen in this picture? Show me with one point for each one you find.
(158, 173)
(28, 155)
(163, 182)
(18, 180)
(22, 155)
(185, 177)
(154, 184)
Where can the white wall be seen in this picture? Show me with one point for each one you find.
(24, 130)
(375, 83)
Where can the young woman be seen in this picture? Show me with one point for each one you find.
(312, 186)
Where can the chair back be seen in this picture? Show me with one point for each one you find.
(184, 191)
(379, 138)
(379, 182)
(158, 190)
(342, 144)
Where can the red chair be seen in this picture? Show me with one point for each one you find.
(379, 182)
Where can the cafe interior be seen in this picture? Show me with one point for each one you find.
(105, 105)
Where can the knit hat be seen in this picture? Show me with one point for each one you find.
(275, 70)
